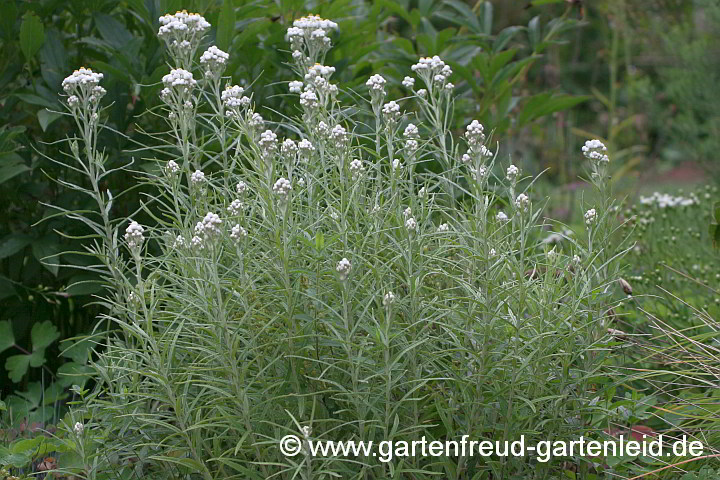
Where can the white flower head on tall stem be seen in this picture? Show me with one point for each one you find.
(590, 217)
(182, 33)
(501, 217)
(376, 84)
(595, 151)
(197, 178)
(213, 61)
(357, 169)
(343, 268)
(522, 202)
(83, 89)
(388, 299)
(512, 173)
(282, 188)
(134, 236)
(408, 82)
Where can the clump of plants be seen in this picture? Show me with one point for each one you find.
(302, 274)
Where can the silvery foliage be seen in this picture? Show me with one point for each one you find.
(245, 311)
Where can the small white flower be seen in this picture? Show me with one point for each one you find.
(590, 216)
(356, 169)
(376, 83)
(209, 226)
(197, 177)
(397, 165)
(474, 133)
(256, 121)
(449, 86)
(237, 232)
(79, 428)
(389, 298)
(282, 187)
(339, 134)
(552, 255)
(422, 192)
(343, 268)
(179, 77)
(411, 131)
(305, 148)
(422, 93)
(443, 227)
(179, 241)
(296, 86)
(512, 173)
(172, 168)
(391, 111)
(235, 207)
(241, 187)
(268, 141)
(197, 243)
(411, 224)
(595, 150)
(407, 213)
(232, 96)
(492, 252)
(134, 235)
(214, 60)
(306, 431)
(408, 82)
(309, 99)
(501, 217)
(301, 182)
(522, 202)
(576, 259)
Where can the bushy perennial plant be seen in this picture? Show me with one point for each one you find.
(308, 275)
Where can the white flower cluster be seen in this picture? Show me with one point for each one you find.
(389, 298)
(664, 200)
(295, 86)
(233, 98)
(411, 135)
(182, 32)
(208, 227)
(268, 143)
(213, 60)
(305, 149)
(237, 232)
(408, 82)
(172, 168)
(83, 88)
(339, 134)
(443, 227)
(310, 33)
(595, 151)
(512, 173)
(411, 224)
(282, 187)
(522, 202)
(343, 268)
(434, 72)
(501, 217)
(235, 207)
(134, 235)
(197, 178)
(475, 138)
(376, 83)
(590, 216)
(79, 428)
(391, 112)
(241, 187)
(356, 169)
(179, 84)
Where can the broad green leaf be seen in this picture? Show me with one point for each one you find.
(17, 366)
(53, 58)
(77, 350)
(46, 117)
(534, 32)
(486, 13)
(43, 334)
(46, 250)
(545, 104)
(11, 171)
(32, 35)
(13, 243)
(8, 19)
(225, 26)
(112, 31)
(504, 37)
(7, 338)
